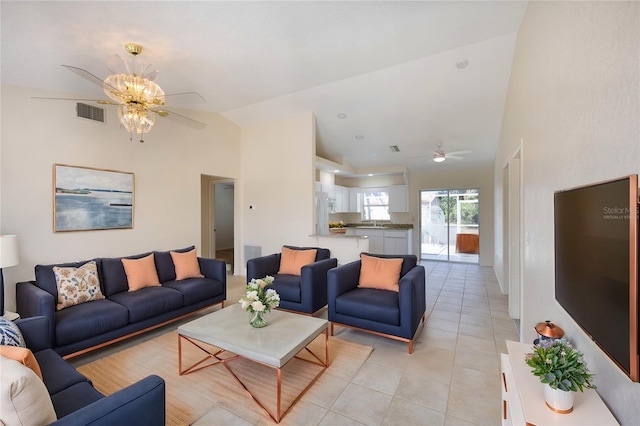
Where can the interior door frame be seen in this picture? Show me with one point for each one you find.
(207, 219)
(513, 226)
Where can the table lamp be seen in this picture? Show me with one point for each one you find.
(8, 257)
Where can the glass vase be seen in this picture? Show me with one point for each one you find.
(258, 319)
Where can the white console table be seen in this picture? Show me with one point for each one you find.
(523, 397)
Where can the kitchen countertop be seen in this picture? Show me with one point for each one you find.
(339, 236)
(380, 226)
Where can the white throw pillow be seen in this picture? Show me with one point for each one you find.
(23, 396)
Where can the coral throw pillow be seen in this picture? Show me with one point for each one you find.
(292, 261)
(141, 272)
(23, 355)
(23, 396)
(77, 285)
(186, 265)
(380, 273)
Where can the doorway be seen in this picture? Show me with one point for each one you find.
(449, 225)
(217, 217)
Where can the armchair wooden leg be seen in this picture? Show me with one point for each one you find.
(410, 347)
(332, 329)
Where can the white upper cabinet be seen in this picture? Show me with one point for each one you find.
(341, 194)
(354, 200)
(399, 198)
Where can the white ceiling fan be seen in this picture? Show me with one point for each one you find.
(137, 96)
(439, 155)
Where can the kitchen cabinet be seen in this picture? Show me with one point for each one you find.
(355, 205)
(376, 239)
(385, 241)
(397, 241)
(399, 198)
(341, 195)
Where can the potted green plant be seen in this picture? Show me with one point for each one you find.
(562, 369)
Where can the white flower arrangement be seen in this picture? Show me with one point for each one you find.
(258, 298)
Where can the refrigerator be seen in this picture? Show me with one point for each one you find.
(322, 213)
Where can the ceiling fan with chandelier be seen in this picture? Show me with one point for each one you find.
(138, 97)
(439, 155)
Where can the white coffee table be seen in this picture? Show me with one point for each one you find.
(274, 345)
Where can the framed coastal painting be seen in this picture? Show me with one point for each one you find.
(87, 199)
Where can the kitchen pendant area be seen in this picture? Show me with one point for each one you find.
(375, 209)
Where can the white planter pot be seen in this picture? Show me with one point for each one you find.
(558, 400)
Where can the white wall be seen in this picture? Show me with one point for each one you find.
(38, 133)
(459, 178)
(574, 98)
(277, 187)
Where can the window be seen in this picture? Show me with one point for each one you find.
(375, 205)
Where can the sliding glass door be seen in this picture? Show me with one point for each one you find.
(449, 228)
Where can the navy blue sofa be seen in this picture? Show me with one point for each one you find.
(396, 315)
(80, 328)
(306, 293)
(77, 402)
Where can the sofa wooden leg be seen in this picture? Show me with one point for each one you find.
(332, 329)
(410, 347)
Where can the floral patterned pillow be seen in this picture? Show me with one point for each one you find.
(77, 285)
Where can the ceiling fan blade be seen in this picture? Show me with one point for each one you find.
(185, 98)
(90, 77)
(459, 152)
(180, 118)
(454, 157)
(98, 101)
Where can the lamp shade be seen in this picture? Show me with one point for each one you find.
(8, 251)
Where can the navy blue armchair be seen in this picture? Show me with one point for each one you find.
(306, 293)
(396, 315)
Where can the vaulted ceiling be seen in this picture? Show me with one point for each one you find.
(375, 74)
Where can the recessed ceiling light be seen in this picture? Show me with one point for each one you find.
(462, 64)
(370, 174)
(342, 116)
(336, 171)
(359, 137)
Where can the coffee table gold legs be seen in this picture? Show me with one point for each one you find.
(193, 367)
(224, 361)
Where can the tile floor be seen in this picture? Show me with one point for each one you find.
(452, 378)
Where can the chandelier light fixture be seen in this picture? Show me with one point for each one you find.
(136, 94)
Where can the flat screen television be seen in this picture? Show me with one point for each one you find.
(596, 265)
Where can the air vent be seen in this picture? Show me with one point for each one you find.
(90, 112)
(251, 252)
(394, 148)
